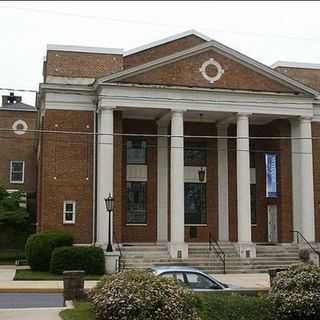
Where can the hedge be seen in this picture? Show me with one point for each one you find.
(226, 306)
(40, 245)
(142, 295)
(89, 259)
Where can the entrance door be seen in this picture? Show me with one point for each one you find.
(272, 224)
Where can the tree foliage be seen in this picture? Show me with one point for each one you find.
(11, 211)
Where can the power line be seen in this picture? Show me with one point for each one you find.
(167, 26)
(91, 143)
(162, 99)
(155, 135)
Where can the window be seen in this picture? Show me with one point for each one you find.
(136, 151)
(198, 281)
(136, 203)
(195, 206)
(69, 212)
(178, 276)
(195, 154)
(17, 171)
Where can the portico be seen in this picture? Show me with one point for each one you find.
(167, 119)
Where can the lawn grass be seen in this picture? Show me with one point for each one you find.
(211, 307)
(82, 311)
(39, 275)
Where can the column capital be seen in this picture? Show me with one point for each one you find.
(305, 118)
(178, 111)
(243, 114)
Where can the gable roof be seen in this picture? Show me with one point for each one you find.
(166, 40)
(219, 47)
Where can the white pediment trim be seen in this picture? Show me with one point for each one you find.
(175, 37)
(220, 48)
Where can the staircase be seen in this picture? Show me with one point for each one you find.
(268, 256)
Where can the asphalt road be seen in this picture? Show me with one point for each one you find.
(31, 300)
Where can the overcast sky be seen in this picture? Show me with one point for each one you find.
(266, 31)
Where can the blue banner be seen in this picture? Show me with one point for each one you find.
(271, 175)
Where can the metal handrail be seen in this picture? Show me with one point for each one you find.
(219, 252)
(119, 249)
(306, 241)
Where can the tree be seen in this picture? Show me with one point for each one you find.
(11, 211)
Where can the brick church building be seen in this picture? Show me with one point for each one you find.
(192, 138)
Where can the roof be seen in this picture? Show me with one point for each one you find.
(292, 64)
(187, 33)
(231, 53)
(58, 47)
(18, 107)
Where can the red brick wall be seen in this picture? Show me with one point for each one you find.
(186, 72)
(258, 148)
(161, 51)
(66, 172)
(18, 147)
(81, 65)
(206, 129)
(310, 77)
(146, 233)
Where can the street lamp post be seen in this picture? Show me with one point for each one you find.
(109, 206)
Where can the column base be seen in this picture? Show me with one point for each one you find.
(178, 250)
(246, 249)
(112, 261)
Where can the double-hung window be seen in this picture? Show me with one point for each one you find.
(17, 171)
(69, 212)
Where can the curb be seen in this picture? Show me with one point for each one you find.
(31, 290)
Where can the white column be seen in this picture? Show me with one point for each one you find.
(104, 173)
(305, 180)
(177, 247)
(223, 192)
(162, 212)
(246, 249)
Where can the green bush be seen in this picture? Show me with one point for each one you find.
(40, 245)
(296, 293)
(142, 296)
(89, 259)
(234, 306)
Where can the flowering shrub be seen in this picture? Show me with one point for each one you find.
(296, 293)
(137, 295)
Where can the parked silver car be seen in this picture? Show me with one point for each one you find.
(194, 278)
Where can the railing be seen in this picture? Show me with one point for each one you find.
(120, 266)
(214, 246)
(299, 234)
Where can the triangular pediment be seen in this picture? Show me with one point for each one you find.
(210, 65)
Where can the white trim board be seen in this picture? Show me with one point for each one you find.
(187, 33)
(293, 64)
(84, 49)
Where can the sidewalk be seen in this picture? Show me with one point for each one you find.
(30, 314)
(257, 281)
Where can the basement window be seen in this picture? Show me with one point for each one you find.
(17, 171)
(69, 212)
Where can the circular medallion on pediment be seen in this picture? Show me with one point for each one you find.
(20, 127)
(210, 77)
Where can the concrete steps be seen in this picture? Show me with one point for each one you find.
(268, 256)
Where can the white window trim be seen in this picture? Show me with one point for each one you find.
(73, 221)
(23, 166)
